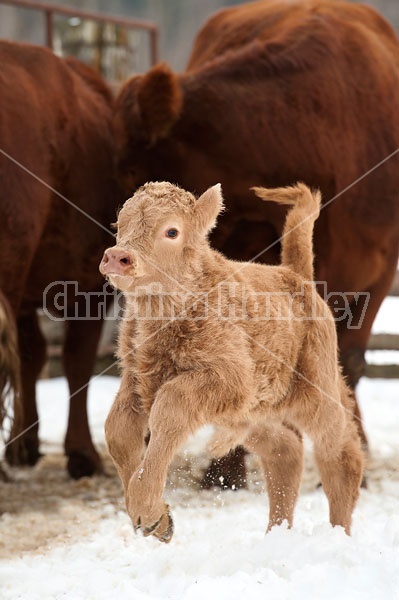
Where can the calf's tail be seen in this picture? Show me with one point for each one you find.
(297, 236)
(10, 378)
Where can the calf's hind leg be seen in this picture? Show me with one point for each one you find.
(341, 473)
(338, 454)
(280, 450)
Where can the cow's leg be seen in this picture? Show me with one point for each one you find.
(32, 347)
(353, 344)
(125, 430)
(228, 472)
(79, 355)
(19, 239)
(181, 406)
(281, 453)
(353, 340)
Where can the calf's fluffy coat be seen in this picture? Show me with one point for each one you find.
(253, 352)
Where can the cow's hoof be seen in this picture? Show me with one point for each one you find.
(4, 476)
(82, 464)
(23, 452)
(227, 473)
(162, 529)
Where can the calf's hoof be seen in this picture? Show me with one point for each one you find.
(83, 464)
(23, 452)
(162, 529)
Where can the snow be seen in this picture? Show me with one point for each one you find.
(387, 319)
(63, 539)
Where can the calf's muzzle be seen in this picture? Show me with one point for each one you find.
(116, 261)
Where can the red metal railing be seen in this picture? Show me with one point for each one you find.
(49, 10)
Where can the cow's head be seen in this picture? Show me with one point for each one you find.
(146, 110)
(161, 237)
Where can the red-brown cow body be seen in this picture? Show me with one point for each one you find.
(277, 92)
(55, 132)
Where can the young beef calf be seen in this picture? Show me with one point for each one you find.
(249, 348)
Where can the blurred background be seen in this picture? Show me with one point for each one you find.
(123, 52)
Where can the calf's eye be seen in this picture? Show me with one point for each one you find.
(172, 233)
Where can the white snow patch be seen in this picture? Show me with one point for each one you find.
(387, 319)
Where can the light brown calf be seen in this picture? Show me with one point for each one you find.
(249, 348)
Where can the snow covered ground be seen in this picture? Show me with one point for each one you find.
(63, 539)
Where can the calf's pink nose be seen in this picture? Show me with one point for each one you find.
(116, 261)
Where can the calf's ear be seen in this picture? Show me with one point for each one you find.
(208, 207)
(160, 100)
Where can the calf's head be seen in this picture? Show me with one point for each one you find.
(161, 237)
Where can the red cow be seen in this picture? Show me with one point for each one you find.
(56, 134)
(277, 92)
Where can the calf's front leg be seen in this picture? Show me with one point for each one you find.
(125, 430)
(181, 406)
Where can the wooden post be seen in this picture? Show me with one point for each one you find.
(49, 28)
(154, 50)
